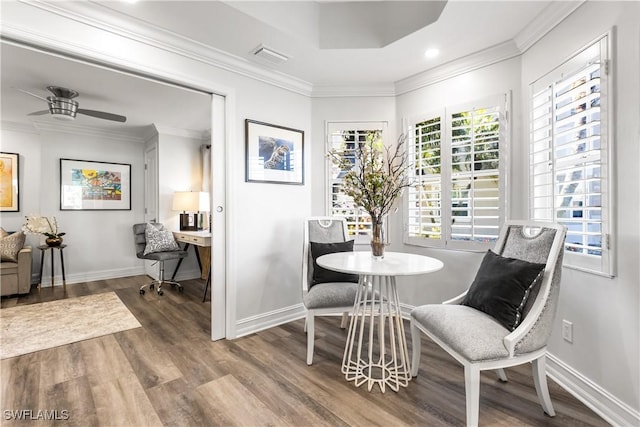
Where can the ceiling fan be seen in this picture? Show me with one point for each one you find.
(63, 106)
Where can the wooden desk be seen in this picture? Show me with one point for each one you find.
(202, 241)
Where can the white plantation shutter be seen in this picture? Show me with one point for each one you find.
(347, 137)
(458, 197)
(475, 174)
(424, 219)
(569, 156)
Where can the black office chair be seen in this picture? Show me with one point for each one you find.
(162, 254)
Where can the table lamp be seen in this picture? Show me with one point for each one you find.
(192, 204)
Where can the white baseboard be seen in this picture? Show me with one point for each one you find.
(108, 274)
(405, 309)
(89, 276)
(192, 273)
(599, 400)
(284, 315)
(260, 322)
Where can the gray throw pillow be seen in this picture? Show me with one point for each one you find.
(159, 240)
(10, 245)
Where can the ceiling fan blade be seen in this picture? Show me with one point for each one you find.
(38, 113)
(32, 94)
(102, 115)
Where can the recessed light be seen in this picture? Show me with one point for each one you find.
(431, 53)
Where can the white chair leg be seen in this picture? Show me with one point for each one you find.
(472, 392)
(502, 376)
(415, 349)
(345, 320)
(310, 336)
(540, 380)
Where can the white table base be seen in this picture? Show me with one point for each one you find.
(372, 356)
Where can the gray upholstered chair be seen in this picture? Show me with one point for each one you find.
(323, 298)
(140, 241)
(477, 340)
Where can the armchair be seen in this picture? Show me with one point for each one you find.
(480, 342)
(337, 293)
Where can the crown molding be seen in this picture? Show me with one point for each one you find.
(90, 131)
(332, 91)
(474, 61)
(18, 127)
(546, 21)
(105, 19)
(183, 133)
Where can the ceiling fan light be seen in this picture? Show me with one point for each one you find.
(64, 117)
(62, 108)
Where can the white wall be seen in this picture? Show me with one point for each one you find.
(604, 312)
(180, 169)
(266, 222)
(99, 243)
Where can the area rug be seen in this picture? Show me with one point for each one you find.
(28, 328)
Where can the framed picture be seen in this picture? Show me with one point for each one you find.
(86, 185)
(274, 153)
(9, 182)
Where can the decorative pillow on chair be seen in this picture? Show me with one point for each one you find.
(159, 240)
(322, 275)
(501, 288)
(10, 245)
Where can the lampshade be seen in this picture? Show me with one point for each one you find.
(191, 201)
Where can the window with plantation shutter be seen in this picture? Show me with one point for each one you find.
(424, 219)
(347, 137)
(569, 156)
(458, 197)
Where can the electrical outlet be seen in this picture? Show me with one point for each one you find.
(567, 331)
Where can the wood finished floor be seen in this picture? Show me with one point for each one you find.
(170, 373)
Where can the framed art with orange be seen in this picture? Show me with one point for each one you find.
(9, 182)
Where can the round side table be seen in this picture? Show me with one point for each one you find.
(376, 347)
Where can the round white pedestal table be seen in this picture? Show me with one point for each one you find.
(376, 347)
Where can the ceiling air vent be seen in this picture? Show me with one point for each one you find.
(269, 55)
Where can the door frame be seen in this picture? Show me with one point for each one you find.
(151, 205)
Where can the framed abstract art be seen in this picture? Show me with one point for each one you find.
(89, 185)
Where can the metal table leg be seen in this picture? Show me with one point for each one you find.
(376, 349)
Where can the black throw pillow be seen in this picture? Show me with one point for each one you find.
(501, 288)
(323, 275)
